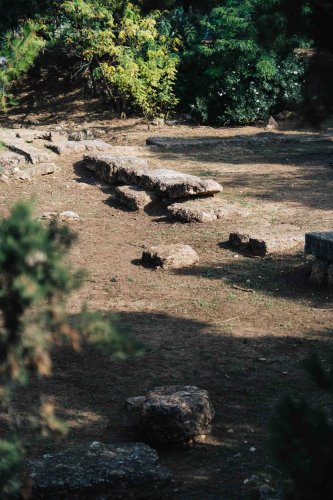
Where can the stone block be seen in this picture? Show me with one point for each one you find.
(175, 256)
(320, 245)
(133, 198)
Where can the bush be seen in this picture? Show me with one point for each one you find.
(302, 440)
(232, 72)
(34, 284)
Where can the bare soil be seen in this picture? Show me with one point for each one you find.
(198, 328)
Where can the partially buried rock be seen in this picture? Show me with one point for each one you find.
(199, 210)
(265, 244)
(133, 198)
(68, 215)
(99, 471)
(174, 414)
(173, 256)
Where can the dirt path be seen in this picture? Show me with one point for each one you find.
(245, 348)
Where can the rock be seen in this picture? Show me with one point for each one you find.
(174, 414)
(204, 210)
(172, 184)
(179, 142)
(32, 154)
(9, 160)
(32, 135)
(99, 471)
(23, 176)
(81, 135)
(239, 240)
(320, 245)
(264, 244)
(71, 147)
(69, 215)
(173, 256)
(39, 169)
(116, 169)
(4, 178)
(319, 272)
(272, 124)
(133, 198)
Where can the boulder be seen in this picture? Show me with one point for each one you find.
(174, 256)
(172, 184)
(70, 147)
(320, 245)
(264, 244)
(173, 414)
(68, 215)
(116, 169)
(199, 210)
(133, 198)
(99, 471)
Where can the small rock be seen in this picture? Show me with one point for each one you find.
(173, 414)
(69, 215)
(173, 256)
(49, 215)
(272, 124)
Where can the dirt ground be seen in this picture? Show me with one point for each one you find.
(245, 348)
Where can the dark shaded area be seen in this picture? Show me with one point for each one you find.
(245, 377)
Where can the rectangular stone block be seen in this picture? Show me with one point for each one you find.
(320, 245)
(32, 154)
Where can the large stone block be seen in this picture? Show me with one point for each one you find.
(100, 472)
(265, 244)
(320, 245)
(173, 414)
(116, 169)
(200, 210)
(133, 197)
(174, 256)
(32, 154)
(172, 184)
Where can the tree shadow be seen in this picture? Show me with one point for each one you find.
(245, 377)
(284, 276)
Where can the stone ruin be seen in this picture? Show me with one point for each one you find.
(320, 246)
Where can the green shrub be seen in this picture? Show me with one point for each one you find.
(302, 439)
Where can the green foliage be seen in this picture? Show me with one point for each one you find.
(18, 50)
(123, 52)
(241, 75)
(35, 281)
(302, 439)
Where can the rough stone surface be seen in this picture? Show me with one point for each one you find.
(116, 169)
(262, 245)
(272, 124)
(199, 210)
(32, 135)
(239, 240)
(319, 272)
(177, 142)
(133, 198)
(39, 169)
(32, 154)
(174, 414)
(320, 245)
(81, 135)
(99, 471)
(172, 184)
(8, 160)
(174, 256)
(70, 147)
(166, 183)
(68, 215)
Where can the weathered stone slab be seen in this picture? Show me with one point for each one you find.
(175, 256)
(172, 184)
(99, 471)
(81, 135)
(133, 198)
(40, 169)
(71, 147)
(180, 142)
(199, 210)
(262, 245)
(32, 135)
(320, 245)
(32, 154)
(9, 160)
(116, 169)
(173, 414)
